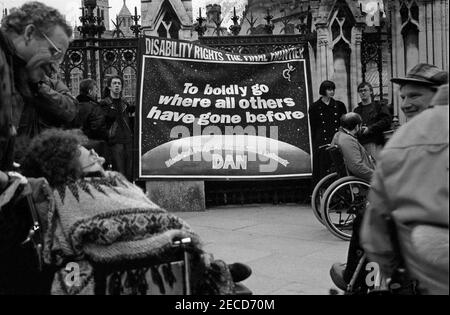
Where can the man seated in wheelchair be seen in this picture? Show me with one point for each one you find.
(356, 158)
(117, 239)
(359, 163)
(406, 225)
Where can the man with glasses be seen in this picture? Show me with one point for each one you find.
(33, 41)
(376, 120)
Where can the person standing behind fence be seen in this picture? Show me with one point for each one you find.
(324, 115)
(91, 118)
(120, 135)
(376, 120)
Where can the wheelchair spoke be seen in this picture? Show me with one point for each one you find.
(347, 220)
(342, 204)
(318, 195)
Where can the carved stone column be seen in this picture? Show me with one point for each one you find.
(422, 33)
(398, 54)
(322, 53)
(313, 55)
(438, 25)
(356, 71)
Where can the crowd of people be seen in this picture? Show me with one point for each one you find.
(58, 204)
(47, 133)
(405, 226)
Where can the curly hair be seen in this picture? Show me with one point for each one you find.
(37, 13)
(53, 154)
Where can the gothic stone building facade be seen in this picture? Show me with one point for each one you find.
(413, 31)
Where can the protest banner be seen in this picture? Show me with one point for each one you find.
(205, 113)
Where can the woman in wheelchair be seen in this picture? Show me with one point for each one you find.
(120, 241)
(360, 164)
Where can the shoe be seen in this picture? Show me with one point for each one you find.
(239, 271)
(337, 275)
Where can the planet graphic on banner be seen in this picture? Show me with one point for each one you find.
(224, 156)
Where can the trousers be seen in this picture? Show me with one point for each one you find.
(121, 159)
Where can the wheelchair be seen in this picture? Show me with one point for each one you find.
(358, 283)
(318, 193)
(319, 189)
(368, 280)
(338, 197)
(21, 245)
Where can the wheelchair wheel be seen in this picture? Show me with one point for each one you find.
(341, 202)
(318, 192)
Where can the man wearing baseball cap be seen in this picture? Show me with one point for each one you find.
(418, 88)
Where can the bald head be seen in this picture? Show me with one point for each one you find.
(350, 120)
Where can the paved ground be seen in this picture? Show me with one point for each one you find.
(289, 251)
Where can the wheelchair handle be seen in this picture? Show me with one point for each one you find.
(187, 274)
(183, 241)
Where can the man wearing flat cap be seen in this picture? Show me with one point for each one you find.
(407, 220)
(418, 88)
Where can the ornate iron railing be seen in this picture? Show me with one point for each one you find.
(99, 58)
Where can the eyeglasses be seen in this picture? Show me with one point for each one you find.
(56, 52)
(364, 91)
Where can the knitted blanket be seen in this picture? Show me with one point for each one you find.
(104, 221)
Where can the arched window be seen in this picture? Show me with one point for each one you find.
(170, 24)
(409, 12)
(341, 26)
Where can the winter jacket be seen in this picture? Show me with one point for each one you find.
(117, 112)
(90, 118)
(410, 189)
(11, 102)
(377, 118)
(28, 108)
(357, 160)
(325, 121)
(52, 105)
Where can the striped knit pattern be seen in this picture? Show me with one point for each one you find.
(107, 220)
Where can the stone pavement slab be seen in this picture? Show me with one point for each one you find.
(289, 251)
